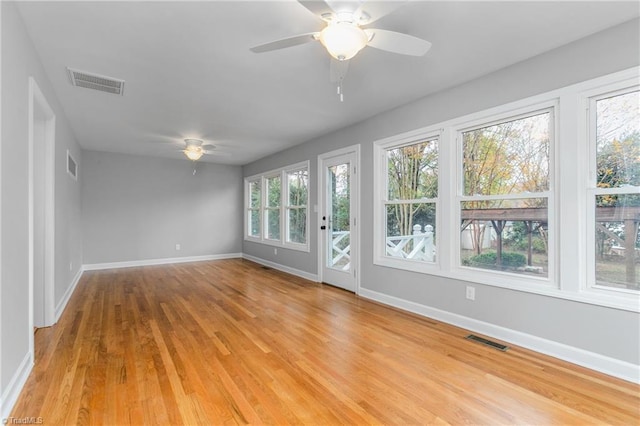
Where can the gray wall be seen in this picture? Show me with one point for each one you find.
(139, 208)
(572, 323)
(19, 62)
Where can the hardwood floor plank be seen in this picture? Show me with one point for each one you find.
(229, 342)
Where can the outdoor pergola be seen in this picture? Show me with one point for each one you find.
(537, 217)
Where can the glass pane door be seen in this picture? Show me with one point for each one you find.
(339, 242)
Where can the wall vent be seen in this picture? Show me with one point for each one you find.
(96, 82)
(72, 166)
(486, 342)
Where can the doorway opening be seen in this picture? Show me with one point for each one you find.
(41, 211)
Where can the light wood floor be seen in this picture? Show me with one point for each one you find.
(228, 342)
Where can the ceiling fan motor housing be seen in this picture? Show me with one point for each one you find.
(343, 39)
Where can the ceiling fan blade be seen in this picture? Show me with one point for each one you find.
(317, 7)
(211, 149)
(338, 70)
(392, 41)
(371, 11)
(284, 43)
(218, 153)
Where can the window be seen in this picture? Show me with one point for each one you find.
(410, 204)
(407, 181)
(254, 193)
(504, 207)
(277, 207)
(615, 189)
(272, 209)
(514, 191)
(297, 195)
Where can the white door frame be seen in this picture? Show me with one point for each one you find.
(355, 214)
(39, 107)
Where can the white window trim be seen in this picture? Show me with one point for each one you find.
(248, 209)
(571, 227)
(588, 100)
(266, 208)
(286, 207)
(501, 277)
(283, 208)
(380, 199)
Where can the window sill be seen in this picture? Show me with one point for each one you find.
(289, 246)
(540, 286)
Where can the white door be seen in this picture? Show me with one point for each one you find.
(338, 218)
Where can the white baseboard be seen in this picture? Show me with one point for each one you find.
(164, 261)
(297, 272)
(607, 365)
(12, 392)
(67, 295)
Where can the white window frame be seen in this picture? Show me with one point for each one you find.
(266, 208)
(283, 208)
(588, 100)
(504, 278)
(381, 194)
(248, 209)
(288, 207)
(571, 241)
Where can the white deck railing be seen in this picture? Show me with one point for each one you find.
(418, 246)
(341, 254)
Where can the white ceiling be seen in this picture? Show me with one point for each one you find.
(189, 71)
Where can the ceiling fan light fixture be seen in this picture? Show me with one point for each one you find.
(343, 40)
(194, 150)
(193, 153)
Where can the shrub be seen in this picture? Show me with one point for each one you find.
(538, 246)
(488, 258)
(509, 259)
(513, 259)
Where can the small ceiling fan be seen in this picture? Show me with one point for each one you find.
(194, 149)
(344, 35)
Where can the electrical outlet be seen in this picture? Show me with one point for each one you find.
(178, 247)
(471, 293)
(70, 266)
(275, 251)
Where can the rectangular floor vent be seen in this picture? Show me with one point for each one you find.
(486, 342)
(96, 82)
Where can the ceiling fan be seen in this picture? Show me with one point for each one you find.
(194, 149)
(344, 35)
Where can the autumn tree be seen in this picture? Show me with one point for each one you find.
(506, 158)
(618, 165)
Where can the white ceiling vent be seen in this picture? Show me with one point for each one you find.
(96, 82)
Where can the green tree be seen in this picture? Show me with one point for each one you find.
(412, 175)
(298, 196)
(273, 207)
